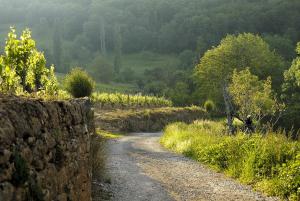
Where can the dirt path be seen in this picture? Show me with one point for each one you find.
(141, 170)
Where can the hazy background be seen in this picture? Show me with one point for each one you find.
(148, 46)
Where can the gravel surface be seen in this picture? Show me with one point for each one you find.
(141, 170)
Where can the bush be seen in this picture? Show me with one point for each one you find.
(270, 163)
(79, 84)
(23, 68)
(209, 106)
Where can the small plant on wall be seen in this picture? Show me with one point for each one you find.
(23, 68)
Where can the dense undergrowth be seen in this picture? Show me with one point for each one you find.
(269, 162)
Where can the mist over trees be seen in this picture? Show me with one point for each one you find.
(169, 37)
(169, 26)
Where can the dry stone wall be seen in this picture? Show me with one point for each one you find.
(146, 120)
(44, 149)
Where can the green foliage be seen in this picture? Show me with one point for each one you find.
(283, 45)
(127, 75)
(9, 81)
(170, 30)
(270, 162)
(286, 184)
(118, 50)
(23, 67)
(124, 100)
(162, 26)
(253, 96)
(236, 52)
(157, 88)
(209, 106)
(78, 83)
(186, 58)
(116, 88)
(289, 179)
(291, 95)
(180, 94)
(101, 70)
(57, 46)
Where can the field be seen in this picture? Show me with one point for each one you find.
(270, 162)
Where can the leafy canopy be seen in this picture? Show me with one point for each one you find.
(291, 93)
(253, 96)
(236, 52)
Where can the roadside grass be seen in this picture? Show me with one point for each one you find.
(108, 135)
(269, 162)
(98, 157)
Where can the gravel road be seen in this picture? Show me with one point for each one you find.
(141, 170)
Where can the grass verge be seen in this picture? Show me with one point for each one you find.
(270, 162)
(108, 135)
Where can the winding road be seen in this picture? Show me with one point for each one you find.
(141, 170)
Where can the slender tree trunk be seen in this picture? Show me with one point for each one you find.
(118, 49)
(229, 108)
(57, 47)
(102, 37)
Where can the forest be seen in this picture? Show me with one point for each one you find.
(148, 46)
(152, 46)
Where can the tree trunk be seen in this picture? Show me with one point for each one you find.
(229, 108)
(102, 37)
(118, 49)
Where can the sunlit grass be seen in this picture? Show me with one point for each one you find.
(108, 135)
(269, 162)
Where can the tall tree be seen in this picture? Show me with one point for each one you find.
(215, 69)
(118, 49)
(102, 37)
(291, 94)
(254, 97)
(57, 47)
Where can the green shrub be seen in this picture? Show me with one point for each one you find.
(269, 162)
(23, 68)
(209, 106)
(79, 84)
(288, 185)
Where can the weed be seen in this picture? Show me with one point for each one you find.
(21, 174)
(35, 192)
(98, 156)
